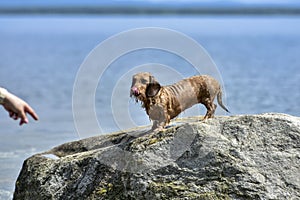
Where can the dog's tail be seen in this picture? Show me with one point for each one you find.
(219, 98)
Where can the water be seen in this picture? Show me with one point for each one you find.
(258, 58)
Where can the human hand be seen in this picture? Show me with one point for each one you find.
(17, 108)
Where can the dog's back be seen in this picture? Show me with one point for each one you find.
(193, 90)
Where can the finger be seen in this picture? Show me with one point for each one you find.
(30, 111)
(15, 116)
(23, 117)
(11, 114)
(23, 122)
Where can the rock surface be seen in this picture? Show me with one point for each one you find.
(238, 157)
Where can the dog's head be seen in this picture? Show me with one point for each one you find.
(140, 83)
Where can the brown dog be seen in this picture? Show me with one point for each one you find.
(163, 103)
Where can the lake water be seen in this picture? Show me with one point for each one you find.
(258, 59)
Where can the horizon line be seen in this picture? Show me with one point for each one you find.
(131, 10)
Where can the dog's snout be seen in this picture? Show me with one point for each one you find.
(135, 91)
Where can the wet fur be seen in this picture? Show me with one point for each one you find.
(163, 103)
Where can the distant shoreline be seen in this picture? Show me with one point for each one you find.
(152, 10)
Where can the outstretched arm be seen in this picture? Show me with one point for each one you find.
(16, 107)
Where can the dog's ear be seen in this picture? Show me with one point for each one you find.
(152, 89)
(152, 79)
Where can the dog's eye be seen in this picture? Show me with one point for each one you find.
(144, 81)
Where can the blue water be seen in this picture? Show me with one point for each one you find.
(258, 58)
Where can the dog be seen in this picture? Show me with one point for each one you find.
(163, 103)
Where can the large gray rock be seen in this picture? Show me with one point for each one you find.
(238, 157)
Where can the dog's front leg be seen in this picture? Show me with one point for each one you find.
(157, 125)
(158, 115)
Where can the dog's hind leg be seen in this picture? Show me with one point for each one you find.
(211, 107)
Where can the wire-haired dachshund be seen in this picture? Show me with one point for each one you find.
(163, 103)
